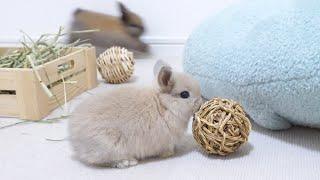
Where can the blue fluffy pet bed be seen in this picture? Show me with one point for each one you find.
(264, 54)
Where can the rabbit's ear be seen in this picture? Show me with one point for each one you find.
(125, 13)
(122, 7)
(158, 65)
(163, 73)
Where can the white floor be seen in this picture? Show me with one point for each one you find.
(28, 151)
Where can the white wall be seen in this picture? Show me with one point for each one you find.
(167, 21)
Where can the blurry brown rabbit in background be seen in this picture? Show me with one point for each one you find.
(121, 31)
(120, 127)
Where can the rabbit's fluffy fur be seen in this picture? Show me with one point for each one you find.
(120, 127)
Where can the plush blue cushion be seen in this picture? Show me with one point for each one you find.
(264, 54)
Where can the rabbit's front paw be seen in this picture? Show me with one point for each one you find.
(125, 163)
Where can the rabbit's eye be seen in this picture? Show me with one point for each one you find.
(184, 94)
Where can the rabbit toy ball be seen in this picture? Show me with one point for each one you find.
(221, 126)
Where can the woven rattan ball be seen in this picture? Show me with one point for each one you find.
(221, 126)
(116, 65)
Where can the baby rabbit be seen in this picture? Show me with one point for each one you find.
(128, 124)
(125, 30)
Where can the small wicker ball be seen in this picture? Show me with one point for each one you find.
(116, 65)
(221, 126)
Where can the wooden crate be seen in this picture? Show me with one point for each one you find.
(29, 101)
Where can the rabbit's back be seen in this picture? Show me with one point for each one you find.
(108, 125)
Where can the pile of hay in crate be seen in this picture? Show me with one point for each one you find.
(32, 76)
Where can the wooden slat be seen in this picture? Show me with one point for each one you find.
(27, 95)
(6, 84)
(72, 90)
(6, 73)
(8, 106)
(51, 68)
(7, 79)
(91, 68)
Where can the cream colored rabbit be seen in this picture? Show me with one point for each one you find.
(128, 124)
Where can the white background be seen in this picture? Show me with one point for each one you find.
(167, 21)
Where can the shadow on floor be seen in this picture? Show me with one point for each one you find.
(244, 150)
(188, 145)
(308, 138)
